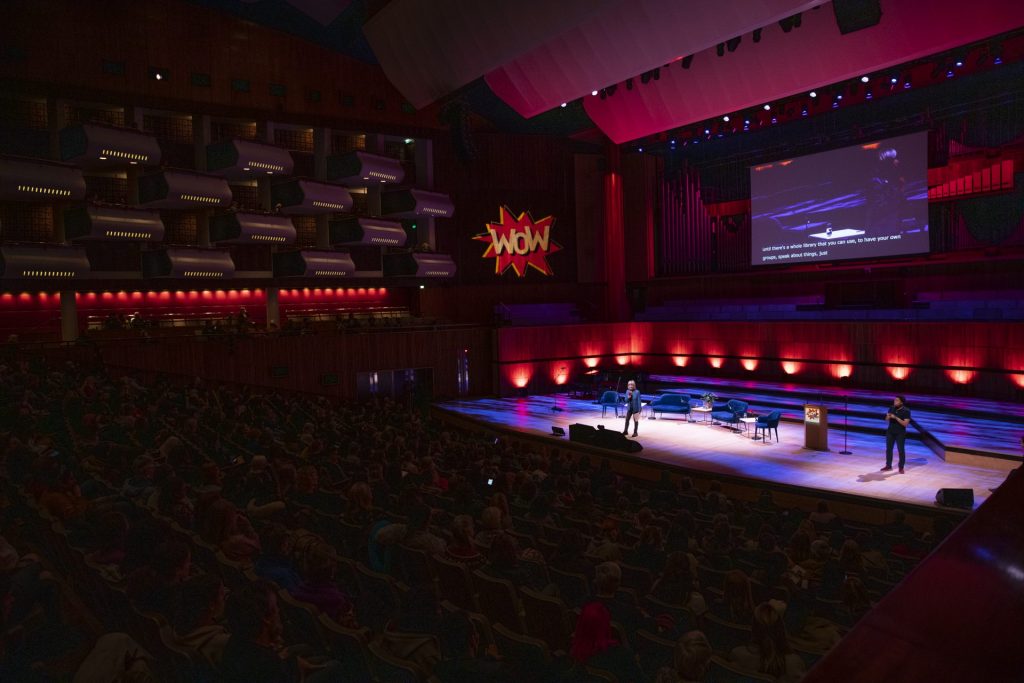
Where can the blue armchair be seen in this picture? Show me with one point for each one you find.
(768, 422)
(609, 398)
(734, 410)
(677, 404)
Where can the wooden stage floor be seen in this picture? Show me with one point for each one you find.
(717, 450)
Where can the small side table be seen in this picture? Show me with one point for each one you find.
(747, 423)
(703, 410)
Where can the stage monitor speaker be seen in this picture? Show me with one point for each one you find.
(854, 15)
(557, 431)
(956, 498)
(603, 438)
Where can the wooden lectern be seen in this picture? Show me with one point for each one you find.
(816, 427)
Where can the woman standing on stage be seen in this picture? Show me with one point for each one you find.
(632, 407)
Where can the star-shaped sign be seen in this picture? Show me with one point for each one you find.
(519, 242)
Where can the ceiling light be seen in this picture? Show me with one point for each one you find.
(707, 131)
(767, 107)
(593, 93)
(639, 149)
(245, 168)
(864, 79)
(839, 97)
(725, 118)
(959, 62)
(813, 94)
(894, 80)
(409, 141)
(564, 105)
(102, 157)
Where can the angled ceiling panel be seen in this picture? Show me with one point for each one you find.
(624, 41)
(429, 49)
(785, 64)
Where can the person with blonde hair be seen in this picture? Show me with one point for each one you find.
(691, 661)
(633, 407)
(768, 651)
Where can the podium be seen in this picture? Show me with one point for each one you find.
(816, 427)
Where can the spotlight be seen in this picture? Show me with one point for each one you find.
(804, 112)
(864, 79)
(790, 23)
(949, 74)
(726, 119)
(767, 107)
(564, 105)
(645, 77)
(604, 93)
(593, 93)
(639, 149)
(423, 286)
(774, 120)
(839, 97)
(959, 63)
(906, 84)
(868, 95)
(746, 122)
(687, 61)
(629, 84)
(656, 73)
(158, 73)
(733, 43)
(720, 49)
(757, 35)
(894, 80)
(707, 131)
(813, 94)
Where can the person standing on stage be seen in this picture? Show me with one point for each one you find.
(898, 417)
(632, 407)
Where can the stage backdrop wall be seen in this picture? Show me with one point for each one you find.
(982, 359)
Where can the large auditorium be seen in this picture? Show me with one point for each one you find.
(494, 341)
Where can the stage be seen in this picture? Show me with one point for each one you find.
(715, 449)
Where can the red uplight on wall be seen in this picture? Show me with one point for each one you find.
(561, 375)
(841, 370)
(961, 376)
(790, 367)
(898, 371)
(680, 361)
(715, 361)
(1017, 378)
(591, 362)
(622, 360)
(749, 364)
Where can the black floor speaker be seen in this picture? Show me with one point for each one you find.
(603, 438)
(956, 498)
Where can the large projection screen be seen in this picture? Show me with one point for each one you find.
(866, 201)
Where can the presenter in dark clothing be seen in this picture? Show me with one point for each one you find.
(898, 417)
(632, 407)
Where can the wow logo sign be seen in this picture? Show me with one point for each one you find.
(519, 242)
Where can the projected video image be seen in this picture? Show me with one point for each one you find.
(857, 202)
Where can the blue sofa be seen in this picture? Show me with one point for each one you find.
(734, 410)
(676, 404)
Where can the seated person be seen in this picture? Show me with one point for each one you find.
(691, 662)
(319, 588)
(274, 562)
(461, 661)
(461, 548)
(156, 586)
(769, 651)
(197, 618)
(677, 584)
(231, 532)
(607, 579)
(503, 563)
(251, 653)
(594, 645)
